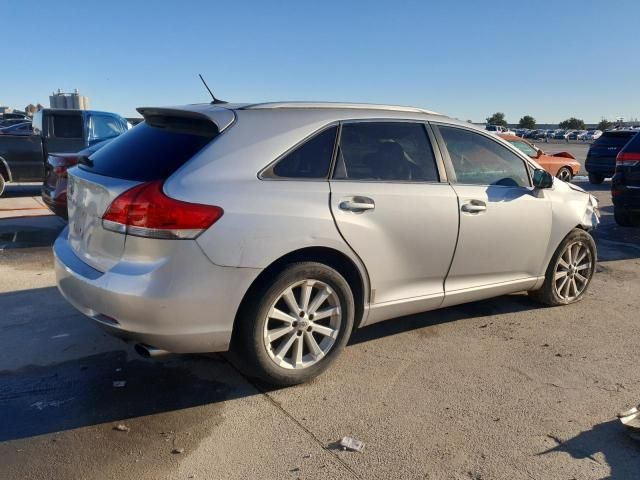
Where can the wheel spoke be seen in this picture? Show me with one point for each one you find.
(562, 263)
(296, 356)
(319, 315)
(276, 333)
(319, 300)
(567, 288)
(285, 346)
(574, 286)
(582, 253)
(305, 295)
(570, 254)
(562, 284)
(291, 301)
(561, 274)
(313, 346)
(581, 278)
(278, 314)
(583, 266)
(326, 331)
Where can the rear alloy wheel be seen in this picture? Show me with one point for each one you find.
(3, 183)
(565, 174)
(299, 324)
(596, 179)
(570, 270)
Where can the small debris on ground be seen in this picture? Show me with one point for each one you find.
(348, 443)
(119, 383)
(177, 451)
(121, 428)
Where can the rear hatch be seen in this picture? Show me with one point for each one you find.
(605, 149)
(152, 150)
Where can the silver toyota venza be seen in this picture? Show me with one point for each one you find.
(275, 229)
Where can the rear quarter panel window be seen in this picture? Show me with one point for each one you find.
(311, 159)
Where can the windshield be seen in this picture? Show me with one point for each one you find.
(524, 148)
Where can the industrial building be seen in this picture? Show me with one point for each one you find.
(73, 100)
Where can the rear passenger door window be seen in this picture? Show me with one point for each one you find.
(478, 160)
(67, 126)
(385, 151)
(310, 160)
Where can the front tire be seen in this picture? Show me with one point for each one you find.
(596, 179)
(570, 270)
(296, 326)
(565, 174)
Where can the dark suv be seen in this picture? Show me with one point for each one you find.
(625, 184)
(601, 159)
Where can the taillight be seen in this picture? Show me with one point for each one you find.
(627, 159)
(145, 211)
(61, 163)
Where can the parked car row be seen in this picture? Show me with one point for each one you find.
(274, 230)
(558, 134)
(22, 157)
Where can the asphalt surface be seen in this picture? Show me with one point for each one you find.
(499, 389)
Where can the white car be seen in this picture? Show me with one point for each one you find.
(499, 129)
(593, 134)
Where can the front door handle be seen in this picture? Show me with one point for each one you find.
(357, 204)
(474, 206)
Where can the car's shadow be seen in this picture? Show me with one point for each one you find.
(22, 190)
(608, 440)
(57, 370)
(28, 232)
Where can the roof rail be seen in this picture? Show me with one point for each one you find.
(359, 106)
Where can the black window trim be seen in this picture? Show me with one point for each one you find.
(529, 166)
(440, 167)
(267, 172)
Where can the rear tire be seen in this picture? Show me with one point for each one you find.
(3, 183)
(565, 174)
(596, 179)
(280, 338)
(569, 272)
(624, 218)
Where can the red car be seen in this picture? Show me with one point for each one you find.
(562, 165)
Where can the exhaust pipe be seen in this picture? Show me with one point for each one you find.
(147, 351)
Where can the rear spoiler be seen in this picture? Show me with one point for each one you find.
(221, 117)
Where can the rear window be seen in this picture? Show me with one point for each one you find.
(67, 126)
(634, 144)
(153, 149)
(615, 138)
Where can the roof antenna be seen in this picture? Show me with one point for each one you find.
(215, 100)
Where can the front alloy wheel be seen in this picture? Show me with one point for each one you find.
(570, 270)
(573, 271)
(564, 174)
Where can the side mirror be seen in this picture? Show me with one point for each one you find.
(542, 178)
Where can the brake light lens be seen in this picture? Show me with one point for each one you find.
(145, 211)
(627, 159)
(61, 163)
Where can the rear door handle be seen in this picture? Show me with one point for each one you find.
(357, 204)
(474, 206)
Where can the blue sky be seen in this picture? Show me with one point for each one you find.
(468, 59)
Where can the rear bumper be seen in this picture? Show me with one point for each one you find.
(55, 198)
(183, 304)
(605, 167)
(627, 198)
